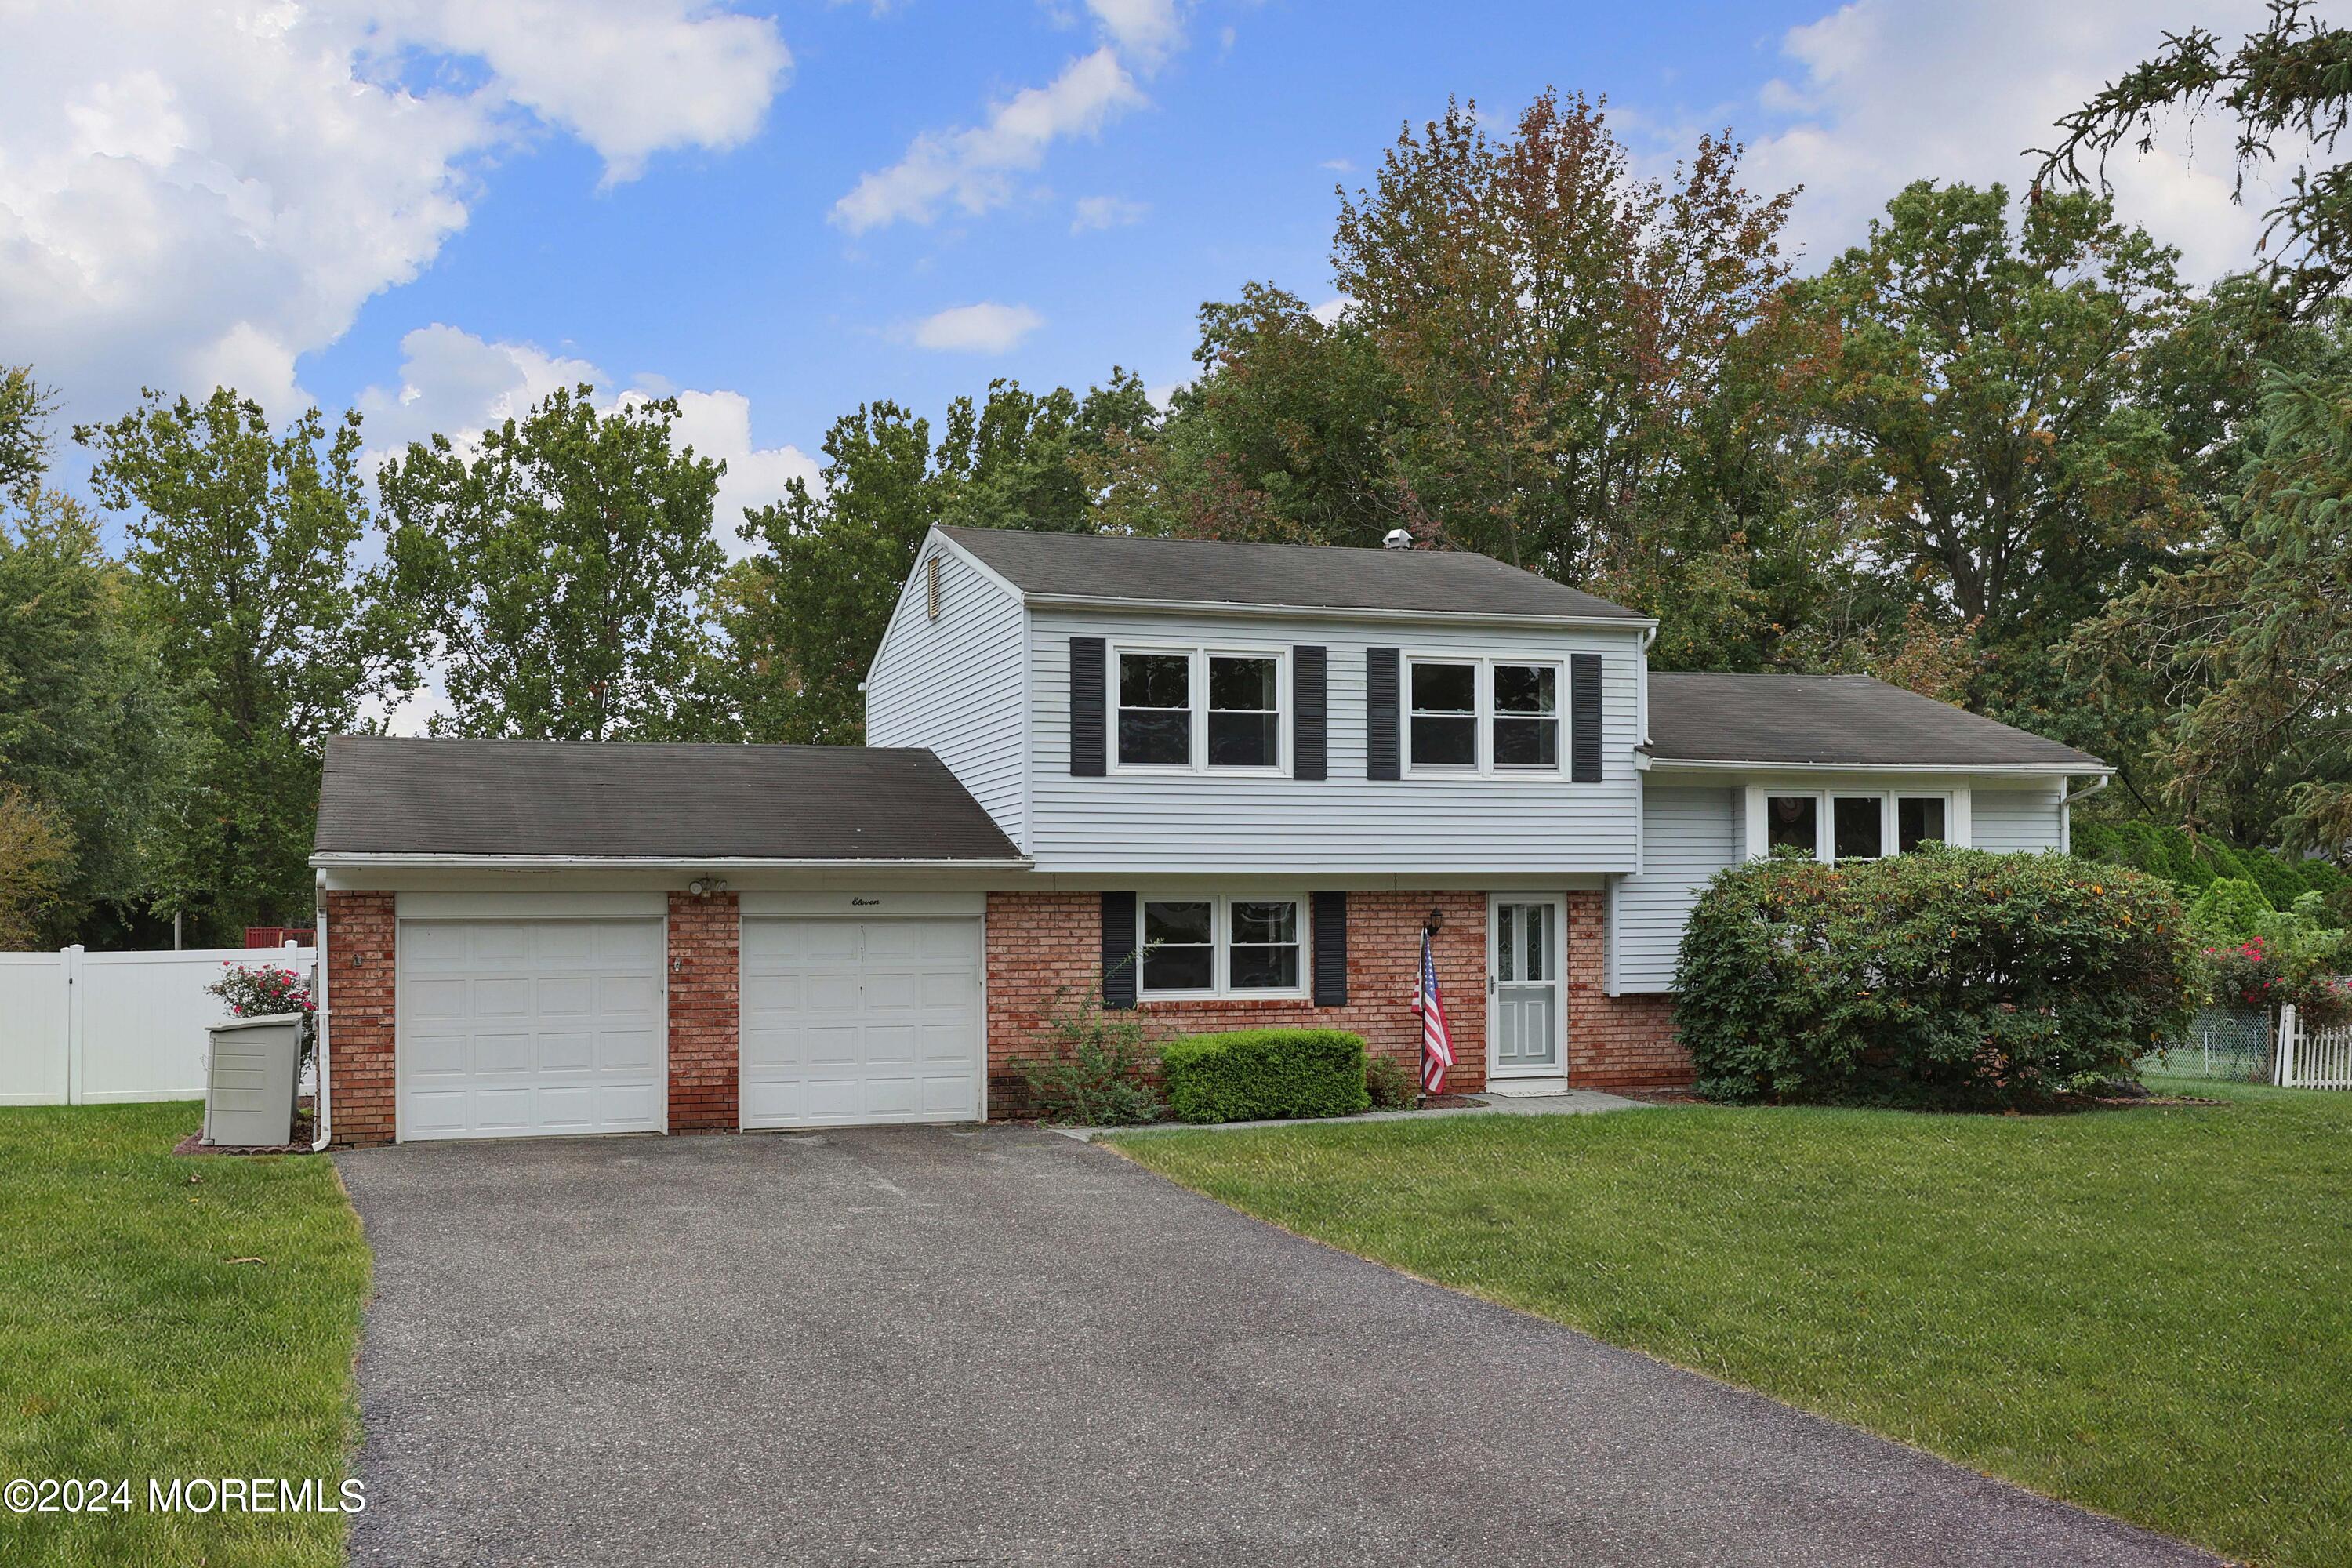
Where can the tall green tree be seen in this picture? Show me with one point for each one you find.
(1537, 354)
(92, 729)
(243, 546)
(1984, 402)
(804, 613)
(2250, 653)
(564, 570)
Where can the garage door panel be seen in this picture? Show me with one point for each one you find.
(850, 1021)
(514, 1027)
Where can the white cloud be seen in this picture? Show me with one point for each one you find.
(458, 385)
(1106, 211)
(1888, 93)
(1145, 31)
(1338, 165)
(191, 192)
(973, 168)
(1330, 311)
(976, 328)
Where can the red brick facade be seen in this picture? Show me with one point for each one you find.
(1614, 1042)
(704, 1002)
(1042, 945)
(361, 934)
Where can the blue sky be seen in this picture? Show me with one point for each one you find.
(435, 210)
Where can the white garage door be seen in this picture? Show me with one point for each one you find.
(860, 1021)
(513, 1027)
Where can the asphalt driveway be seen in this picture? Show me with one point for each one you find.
(922, 1345)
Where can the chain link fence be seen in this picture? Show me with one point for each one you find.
(2238, 1044)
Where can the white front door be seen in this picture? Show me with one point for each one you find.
(1526, 1008)
(849, 1022)
(514, 1027)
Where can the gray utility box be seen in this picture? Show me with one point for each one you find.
(250, 1085)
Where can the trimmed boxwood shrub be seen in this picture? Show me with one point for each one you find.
(1262, 1075)
(1947, 977)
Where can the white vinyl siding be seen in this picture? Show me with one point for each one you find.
(955, 685)
(1345, 825)
(2010, 821)
(1688, 835)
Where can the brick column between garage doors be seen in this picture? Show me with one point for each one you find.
(706, 945)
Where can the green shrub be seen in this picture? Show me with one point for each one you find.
(1096, 1070)
(1393, 1085)
(1947, 977)
(1261, 1075)
(2192, 866)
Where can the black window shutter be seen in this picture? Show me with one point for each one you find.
(1118, 960)
(1308, 750)
(1380, 755)
(1584, 717)
(1087, 699)
(1330, 950)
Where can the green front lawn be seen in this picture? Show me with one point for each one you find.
(2147, 1311)
(134, 1345)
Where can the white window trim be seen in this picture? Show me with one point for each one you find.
(1956, 820)
(1197, 694)
(1221, 948)
(1484, 663)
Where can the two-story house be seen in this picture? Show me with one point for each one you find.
(1221, 784)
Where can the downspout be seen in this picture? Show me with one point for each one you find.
(319, 1012)
(2066, 811)
(2104, 779)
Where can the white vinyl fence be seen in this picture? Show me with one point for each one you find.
(2313, 1058)
(102, 1029)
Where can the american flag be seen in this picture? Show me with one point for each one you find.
(1437, 1039)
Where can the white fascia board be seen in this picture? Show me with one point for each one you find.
(1626, 624)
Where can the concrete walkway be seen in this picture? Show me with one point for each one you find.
(1575, 1103)
(989, 1345)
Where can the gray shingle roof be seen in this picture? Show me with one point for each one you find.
(1847, 719)
(1312, 576)
(399, 795)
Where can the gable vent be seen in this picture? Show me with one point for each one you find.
(931, 584)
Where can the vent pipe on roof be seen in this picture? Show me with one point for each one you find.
(1398, 539)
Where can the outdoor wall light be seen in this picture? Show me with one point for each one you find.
(1434, 921)
(703, 887)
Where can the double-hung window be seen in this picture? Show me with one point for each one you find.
(1198, 945)
(1484, 716)
(1199, 708)
(1859, 826)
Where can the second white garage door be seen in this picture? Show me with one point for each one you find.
(860, 1021)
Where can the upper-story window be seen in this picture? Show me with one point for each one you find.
(1483, 715)
(1199, 708)
(1860, 825)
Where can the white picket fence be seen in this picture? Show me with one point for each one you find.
(104, 1028)
(2313, 1058)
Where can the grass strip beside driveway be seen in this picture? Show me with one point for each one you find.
(135, 1344)
(2146, 1312)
